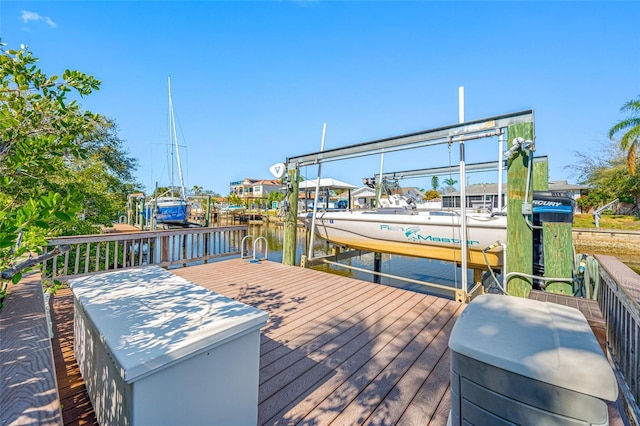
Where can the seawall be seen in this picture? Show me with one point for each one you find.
(607, 240)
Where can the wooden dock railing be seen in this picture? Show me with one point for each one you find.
(107, 252)
(618, 300)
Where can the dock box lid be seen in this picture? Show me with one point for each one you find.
(544, 341)
(150, 319)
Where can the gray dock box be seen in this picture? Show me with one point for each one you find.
(520, 361)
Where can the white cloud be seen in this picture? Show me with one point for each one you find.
(28, 16)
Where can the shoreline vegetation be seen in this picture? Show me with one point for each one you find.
(621, 222)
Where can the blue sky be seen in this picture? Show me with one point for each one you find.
(253, 82)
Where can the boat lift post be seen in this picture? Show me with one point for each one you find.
(315, 200)
(463, 197)
(500, 170)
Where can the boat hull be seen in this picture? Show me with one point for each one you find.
(174, 211)
(433, 235)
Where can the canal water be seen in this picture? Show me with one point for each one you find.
(425, 270)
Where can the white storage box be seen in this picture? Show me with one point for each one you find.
(155, 349)
(520, 361)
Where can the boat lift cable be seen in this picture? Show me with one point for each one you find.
(493, 275)
(315, 200)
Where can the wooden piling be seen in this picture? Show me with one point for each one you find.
(519, 234)
(558, 256)
(540, 179)
(291, 221)
(557, 238)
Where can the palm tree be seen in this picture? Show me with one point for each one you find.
(197, 190)
(630, 139)
(449, 182)
(435, 183)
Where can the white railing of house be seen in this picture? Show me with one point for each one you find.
(618, 300)
(107, 252)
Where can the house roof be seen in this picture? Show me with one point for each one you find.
(562, 185)
(492, 188)
(326, 183)
(364, 191)
(275, 182)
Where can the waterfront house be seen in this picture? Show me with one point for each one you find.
(485, 195)
(253, 190)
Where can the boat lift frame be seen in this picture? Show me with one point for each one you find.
(477, 129)
(486, 166)
(456, 133)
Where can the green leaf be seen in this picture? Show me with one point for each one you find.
(62, 216)
(16, 278)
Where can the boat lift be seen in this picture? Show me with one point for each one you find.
(458, 133)
(597, 212)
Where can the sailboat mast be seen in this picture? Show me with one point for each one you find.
(171, 160)
(174, 136)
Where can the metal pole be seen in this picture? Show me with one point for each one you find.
(500, 169)
(315, 201)
(463, 197)
(379, 183)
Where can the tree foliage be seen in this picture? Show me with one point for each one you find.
(234, 199)
(435, 183)
(606, 173)
(58, 163)
(432, 194)
(449, 182)
(274, 196)
(630, 129)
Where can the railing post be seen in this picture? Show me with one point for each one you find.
(164, 250)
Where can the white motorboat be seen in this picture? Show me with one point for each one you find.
(419, 233)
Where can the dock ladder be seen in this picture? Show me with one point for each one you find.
(252, 258)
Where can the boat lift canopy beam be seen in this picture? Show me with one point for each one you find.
(453, 133)
(487, 166)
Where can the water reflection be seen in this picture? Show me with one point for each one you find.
(434, 271)
(428, 270)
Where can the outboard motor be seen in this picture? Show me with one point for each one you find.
(548, 206)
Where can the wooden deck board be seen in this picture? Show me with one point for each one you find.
(332, 350)
(399, 355)
(407, 386)
(332, 340)
(76, 406)
(28, 389)
(332, 370)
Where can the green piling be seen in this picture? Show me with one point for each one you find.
(540, 179)
(557, 237)
(291, 221)
(558, 256)
(519, 234)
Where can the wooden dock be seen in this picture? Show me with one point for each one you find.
(335, 350)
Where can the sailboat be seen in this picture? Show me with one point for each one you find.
(172, 209)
